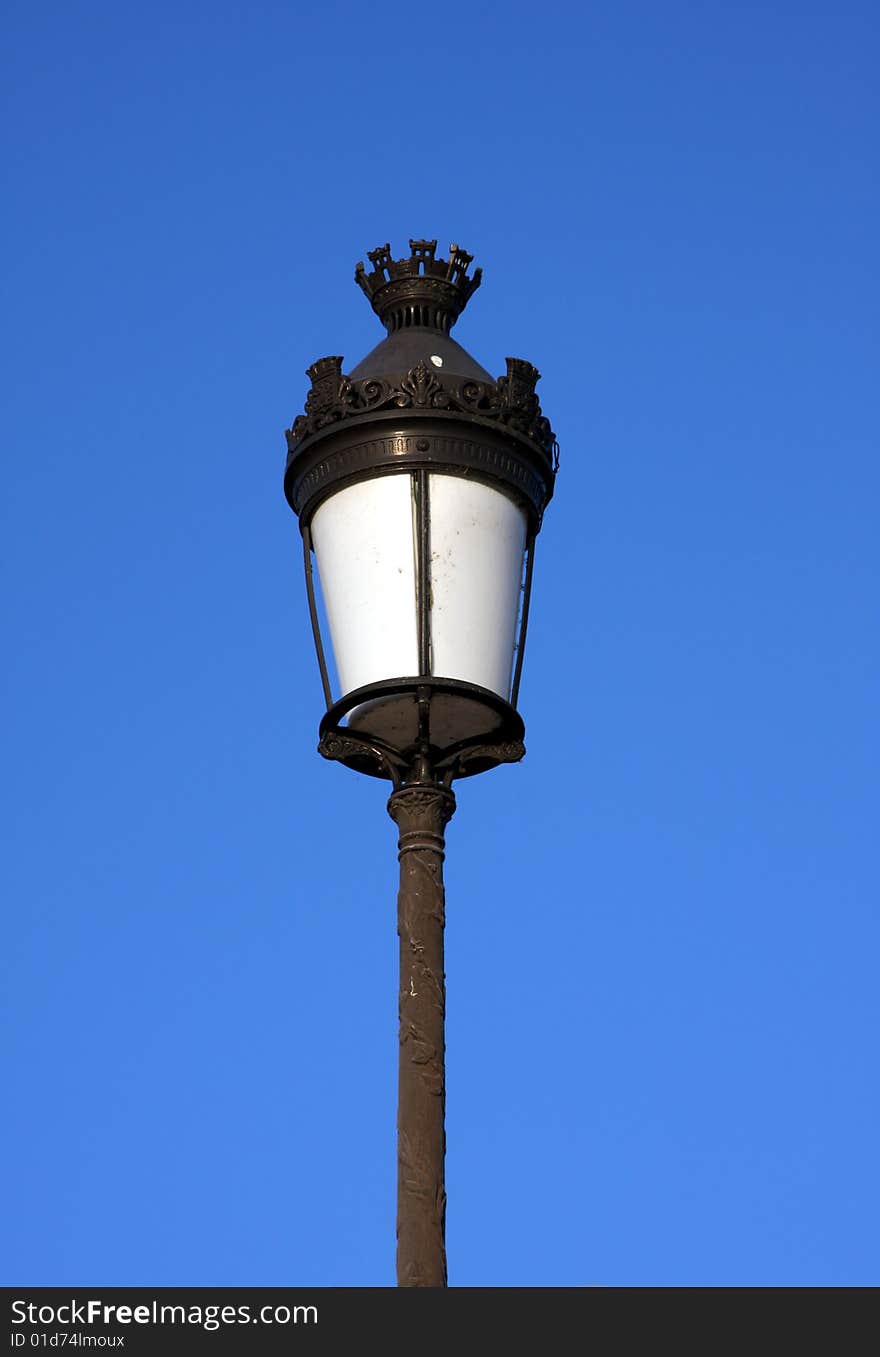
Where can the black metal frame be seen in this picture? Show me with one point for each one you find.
(464, 758)
(313, 613)
(520, 643)
(366, 754)
(458, 443)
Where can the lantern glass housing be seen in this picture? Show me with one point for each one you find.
(366, 540)
(419, 497)
(421, 576)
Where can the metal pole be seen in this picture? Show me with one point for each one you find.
(421, 811)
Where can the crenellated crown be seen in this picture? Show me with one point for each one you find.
(421, 290)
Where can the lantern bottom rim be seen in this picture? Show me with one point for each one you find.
(381, 729)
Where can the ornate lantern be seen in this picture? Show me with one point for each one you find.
(419, 483)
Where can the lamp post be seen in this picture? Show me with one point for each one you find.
(420, 483)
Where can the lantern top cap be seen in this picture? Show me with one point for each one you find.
(420, 291)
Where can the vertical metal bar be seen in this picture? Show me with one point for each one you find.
(423, 569)
(524, 620)
(421, 812)
(313, 614)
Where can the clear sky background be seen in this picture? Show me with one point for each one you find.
(662, 927)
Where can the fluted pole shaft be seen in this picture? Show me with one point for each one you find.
(421, 812)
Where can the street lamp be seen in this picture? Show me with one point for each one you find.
(420, 483)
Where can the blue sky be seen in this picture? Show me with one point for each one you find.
(662, 926)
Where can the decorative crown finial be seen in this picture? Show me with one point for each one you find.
(421, 290)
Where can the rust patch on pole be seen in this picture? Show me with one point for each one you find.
(421, 812)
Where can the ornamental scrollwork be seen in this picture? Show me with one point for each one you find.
(421, 388)
(511, 400)
(507, 751)
(337, 745)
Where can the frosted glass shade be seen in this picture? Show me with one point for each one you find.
(366, 544)
(363, 538)
(478, 537)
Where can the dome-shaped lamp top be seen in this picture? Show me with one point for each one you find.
(418, 300)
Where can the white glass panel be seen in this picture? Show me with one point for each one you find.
(478, 537)
(363, 538)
